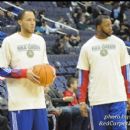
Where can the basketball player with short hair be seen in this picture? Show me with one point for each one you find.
(25, 49)
(10, 73)
(102, 80)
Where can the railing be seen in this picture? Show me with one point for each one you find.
(104, 8)
(100, 6)
(66, 26)
(7, 10)
(13, 5)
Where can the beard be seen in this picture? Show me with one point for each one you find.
(106, 34)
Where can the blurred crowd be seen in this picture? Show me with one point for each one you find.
(81, 16)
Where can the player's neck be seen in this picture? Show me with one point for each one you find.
(100, 35)
(25, 34)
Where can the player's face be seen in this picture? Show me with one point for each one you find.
(28, 22)
(106, 27)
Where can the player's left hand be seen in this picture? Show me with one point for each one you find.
(83, 109)
(32, 77)
(128, 102)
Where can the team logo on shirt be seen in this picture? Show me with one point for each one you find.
(103, 52)
(29, 49)
(30, 53)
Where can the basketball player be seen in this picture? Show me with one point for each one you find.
(25, 49)
(10, 73)
(102, 64)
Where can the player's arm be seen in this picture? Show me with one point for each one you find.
(13, 73)
(84, 67)
(19, 73)
(83, 91)
(125, 60)
(83, 86)
(127, 83)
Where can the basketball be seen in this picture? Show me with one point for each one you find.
(46, 72)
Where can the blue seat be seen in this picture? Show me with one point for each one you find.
(59, 86)
(62, 79)
(62, 70)
(127, 43)
(2, 35)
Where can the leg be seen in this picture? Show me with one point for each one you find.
(85, 124)
(40, 120)
(21, 120)
(98, 118)
(52, 121)
(77, 119)
(65, 119)
(4, 123)
(118, 116)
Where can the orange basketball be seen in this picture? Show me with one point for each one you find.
(46, 72)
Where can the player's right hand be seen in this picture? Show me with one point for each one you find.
(32, 77)
(83, 109)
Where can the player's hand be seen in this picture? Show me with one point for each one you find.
(128, 102)
(33, 77)
(68, 98)
(83, 109)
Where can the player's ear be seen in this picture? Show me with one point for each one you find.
(19, 22)
(98, 27)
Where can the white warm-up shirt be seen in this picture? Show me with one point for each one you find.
(104, 58)
(21, 52)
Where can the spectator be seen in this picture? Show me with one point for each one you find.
(63, 4)
(76, 14)
(14, 10)
(39, 16)
(58, 99)
(58, 48)
(78, 122)
(57, 25)
(61, 109)
(2, 19)
(10, 18)
(124, 32)
(62, 45)
(45, 28)
(52, 111)
(115, 11)
(122, 15)
(81, 25)
(118, 12)
(72, 84)
(74, 40)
